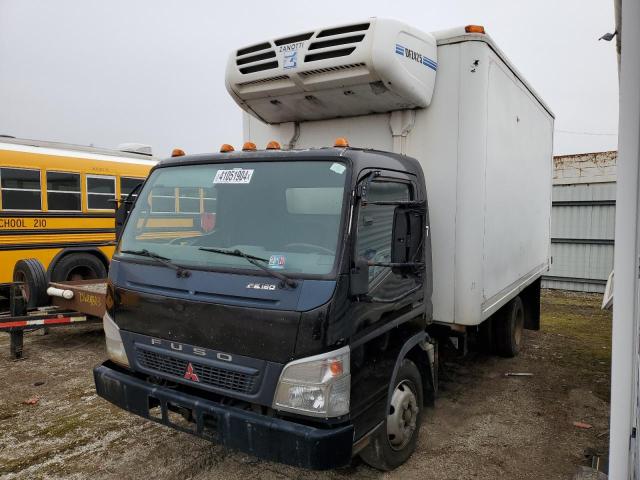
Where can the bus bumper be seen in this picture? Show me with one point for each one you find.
(265, 437)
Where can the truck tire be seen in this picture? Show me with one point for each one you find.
(78, 266)
(32, 273)
(508, 326)
(394, 442)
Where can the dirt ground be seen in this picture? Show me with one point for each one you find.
(485, 425)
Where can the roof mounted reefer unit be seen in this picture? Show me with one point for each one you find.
(374, 66)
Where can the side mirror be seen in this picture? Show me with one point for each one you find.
(407, 235)
(359, 278)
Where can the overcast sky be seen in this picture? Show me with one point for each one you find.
(152, 71)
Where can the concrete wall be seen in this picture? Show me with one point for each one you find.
(585, 168)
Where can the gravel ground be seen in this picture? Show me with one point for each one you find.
(485, 425)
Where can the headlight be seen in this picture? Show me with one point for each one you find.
(115, 347)
(319, 386)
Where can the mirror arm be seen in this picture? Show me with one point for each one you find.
(124, 205)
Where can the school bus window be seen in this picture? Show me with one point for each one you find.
(189, 200)
(209, 200)
(101, 191)
(20, 189)
(163, 200)
(128, 184)
(63, 192)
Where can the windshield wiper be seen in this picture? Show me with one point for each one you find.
(180, 271)
(233, 253)
(254, 261)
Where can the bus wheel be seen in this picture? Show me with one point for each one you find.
(31, 272)
(78, 266)
(508, 328)
(394, 442)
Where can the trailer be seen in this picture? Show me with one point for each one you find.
(72, 303)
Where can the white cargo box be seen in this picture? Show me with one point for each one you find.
(485, 145)
(357, 69)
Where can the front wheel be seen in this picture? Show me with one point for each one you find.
(394, 442)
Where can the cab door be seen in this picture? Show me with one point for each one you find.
(392, 310)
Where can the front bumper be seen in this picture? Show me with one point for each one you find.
(265, 437)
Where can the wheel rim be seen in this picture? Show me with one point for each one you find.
(403, 415)
(21, 277)
(519, 324)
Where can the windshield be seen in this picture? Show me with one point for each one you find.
(286, 213)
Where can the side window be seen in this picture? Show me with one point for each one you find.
(100, 191)
(63, 191)
(209, 199)
(128, 184)
(197, 200)
(375, 224)
(163, 200)
(20, 189)
(189, 200)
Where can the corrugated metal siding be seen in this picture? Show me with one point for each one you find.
(582, 236)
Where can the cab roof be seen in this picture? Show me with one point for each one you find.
(360, 158)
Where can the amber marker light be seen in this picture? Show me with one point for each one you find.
(474, 29)
(335, 367)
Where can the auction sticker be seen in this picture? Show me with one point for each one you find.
(237, 175)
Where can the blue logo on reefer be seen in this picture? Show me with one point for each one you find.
(416, 56)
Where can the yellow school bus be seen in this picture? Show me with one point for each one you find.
(57, 205)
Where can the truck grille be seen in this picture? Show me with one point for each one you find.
(216, 377)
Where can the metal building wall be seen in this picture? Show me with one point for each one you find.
(582, 229)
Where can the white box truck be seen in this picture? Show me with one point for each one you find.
(301, 322)
(451, 100)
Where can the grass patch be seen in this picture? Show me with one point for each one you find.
(64, 425)
(19, 464)
(7, 412)
(90, 418)
(585, 334)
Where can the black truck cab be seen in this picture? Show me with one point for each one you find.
(276, 302)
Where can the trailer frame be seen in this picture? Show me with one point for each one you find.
(19, 319)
